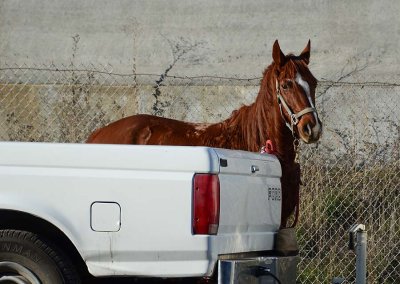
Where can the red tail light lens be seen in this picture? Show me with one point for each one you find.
(205, 204)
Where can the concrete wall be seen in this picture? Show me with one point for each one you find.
(351, 40)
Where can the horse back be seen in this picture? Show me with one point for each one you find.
(147, 130)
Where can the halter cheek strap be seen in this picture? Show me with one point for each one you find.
(294, 117)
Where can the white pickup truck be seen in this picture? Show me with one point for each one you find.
(67, 210)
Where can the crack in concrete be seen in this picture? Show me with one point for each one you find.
(179, 49)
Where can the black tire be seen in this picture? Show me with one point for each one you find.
(27, 256)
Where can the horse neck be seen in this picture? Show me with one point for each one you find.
(253, 125)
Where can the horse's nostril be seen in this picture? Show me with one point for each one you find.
(307, 130)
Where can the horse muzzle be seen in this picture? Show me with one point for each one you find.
(310, 130)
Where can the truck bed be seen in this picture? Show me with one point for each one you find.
(128, 209)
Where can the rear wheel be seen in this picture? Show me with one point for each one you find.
(25, 258)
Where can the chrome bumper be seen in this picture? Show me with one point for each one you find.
(258, 270)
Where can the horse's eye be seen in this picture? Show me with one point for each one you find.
(287, 85)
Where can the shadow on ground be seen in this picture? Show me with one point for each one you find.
(148, 281)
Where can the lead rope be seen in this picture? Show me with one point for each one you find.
(296, 144)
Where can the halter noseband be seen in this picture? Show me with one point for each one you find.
(294, 117)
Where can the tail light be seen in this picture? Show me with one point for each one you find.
(205, 204)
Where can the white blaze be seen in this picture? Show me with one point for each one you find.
(299, 80)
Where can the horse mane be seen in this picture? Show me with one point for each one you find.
(250, 122)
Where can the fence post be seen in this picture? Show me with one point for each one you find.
(358, 243)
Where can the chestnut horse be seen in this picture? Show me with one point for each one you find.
(282, 113)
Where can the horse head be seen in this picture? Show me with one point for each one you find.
(295, 93)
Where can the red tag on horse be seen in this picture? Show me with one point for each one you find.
(268, 148)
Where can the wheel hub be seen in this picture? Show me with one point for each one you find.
(12, 272)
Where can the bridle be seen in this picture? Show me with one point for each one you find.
(294, 117)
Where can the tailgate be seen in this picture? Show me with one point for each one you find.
(250, 201)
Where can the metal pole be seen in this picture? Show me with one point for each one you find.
(361, 257)
(358, 244)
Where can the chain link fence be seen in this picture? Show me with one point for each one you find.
(351, 176)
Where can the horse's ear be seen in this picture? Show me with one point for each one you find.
(277, 55)
(305, 54)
